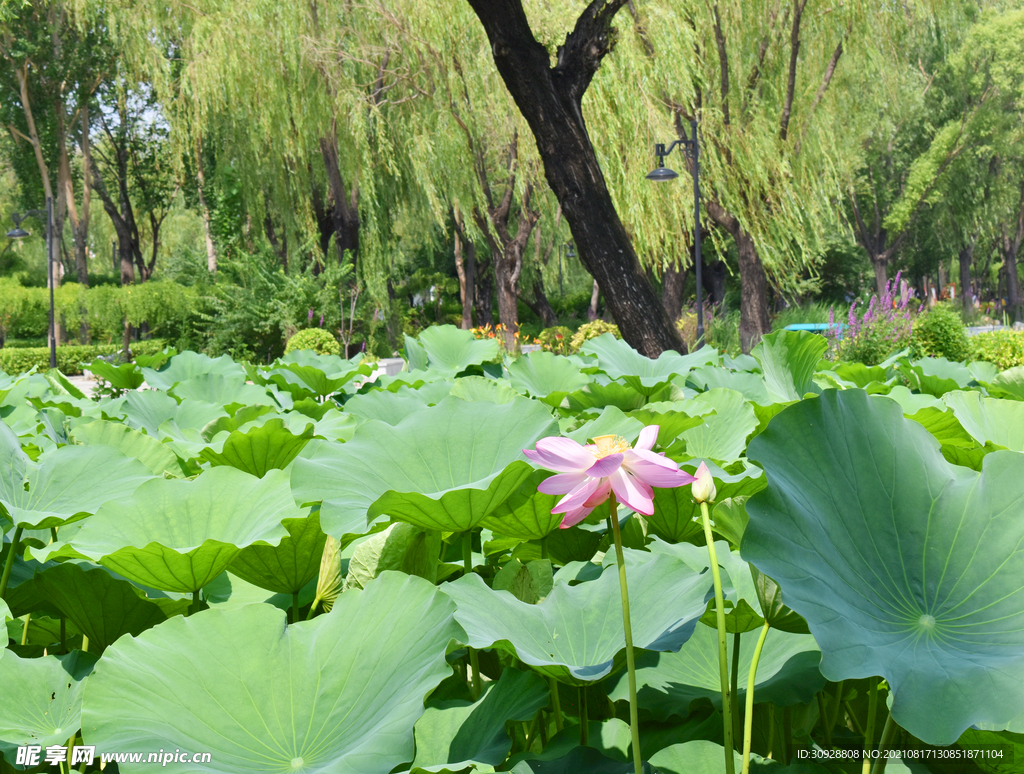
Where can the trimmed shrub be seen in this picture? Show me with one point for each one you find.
(939, 332)
(1003, 348)
(316, 339)
(71, 358)
(592, 330)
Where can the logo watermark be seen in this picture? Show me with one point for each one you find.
(55, 755)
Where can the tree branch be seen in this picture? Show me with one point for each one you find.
(584, 48)
(723, 62)
(825, 81)
(794, 50)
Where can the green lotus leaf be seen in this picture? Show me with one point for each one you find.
(221, 390)
(788, 360)
(597, 396)
(321, 375)
(400, 547)
(787, 673)
(903, 565)
(621, 361)
(1008, 384)
(611, 421)
(13, 461)
(383, 406)
(415, 354)
(730, 519)
(526, 515)
(339, 694)
(989, 419)
(722, 435)
(703, 757)
(180, 535)
(529, 582)
(156, 456)
(858, 374)
(471, 388)
(99, 605)
(572, 635)
(42, 700)
(242, 419)
(452, 350)
(188, 365)
(675, 509)
(776, 613)
(540, 374)
(452, 735)
(574, 544)
(912, 403)
(125, 376)
(945, 426)
(671, 417)
(270, 446)
(288, 566)
(578, 760)
(986, 743)
(150, 411)
(446, 467)
(935, 375)
(751, 386)
(70, 483)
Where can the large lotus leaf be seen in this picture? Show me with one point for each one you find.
(42, 699)
(989, 419)
(1008, 384)
(621, 361)
(188, 365)
(526, 515)
(611, 421)
(675, 509)
(483, 388)
(787, 673)
(415, 354)
(723, 435)
(390, 408)
(597, 396)
(913, 403)
(99, 605)
(156, 456)
(400, 547)
(452, 350)
(446, 467)
(672, 417)
(944, 426)
(322, 378)
(751, 385)
(125, 376)
(541, 374)
(270, 446)
(452, 735)
(338, 694)
(987, 745)
(788, 360)
(148, 409)
(70, 483)
(904, 565)
(935, 375)
(221, 391)
(576, 633)
(180, 535)
(288, 566)
(703, 757)
(13, 461)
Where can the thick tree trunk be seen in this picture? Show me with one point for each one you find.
(484, 288)
(672, 282)
(754, 321)
(465, 267)
(506, 281)
(880, 263)
(550, 101)
(541, 306)
(344, 207)
(1011, 245)
(595, 296)
(714, 274)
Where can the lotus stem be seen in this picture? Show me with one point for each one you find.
(834, 716)
(771, 731)
(584, 717)
(723, 651)
(869, 732)
(9, 564)
(735, 685)
(787, 735)
(634, 719)
(295, 607)
(748, 718)
(556, 704)
(825, 730)
(24, 629)
(85, 644)
(312, 609)
(194, 607)
(474, 659)
(888, 732)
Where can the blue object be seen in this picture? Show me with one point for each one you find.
(817, 327)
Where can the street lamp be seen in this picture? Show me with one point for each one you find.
(19, 233)
(661, 174)
(570, 250)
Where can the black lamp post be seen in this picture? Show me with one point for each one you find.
(570, 250)
(662, 173)
(19, 233)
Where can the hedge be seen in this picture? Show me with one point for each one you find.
(1005, 348)
(71, 358)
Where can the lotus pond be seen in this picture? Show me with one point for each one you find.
(292, 569)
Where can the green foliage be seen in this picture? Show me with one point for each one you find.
(71, 359)
(1003, 348)
(592, 330)
(316, 339)
(939, 332)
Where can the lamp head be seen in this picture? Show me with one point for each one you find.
(570, 249)
(17, 233)
(662, 173)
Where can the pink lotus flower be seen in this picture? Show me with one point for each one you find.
(587, 475)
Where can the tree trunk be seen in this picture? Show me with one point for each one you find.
(754, 321)
(1010, 249)
(595, 296)
(550, 100)
(344, 208)
(541, 306)
(966, 257)
(211, 251)
(880, 263)
(506, 280)
(484, 288)
(715, 272)
(672, 282)
(465, 267)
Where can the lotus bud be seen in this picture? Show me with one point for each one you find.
(703, 488)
